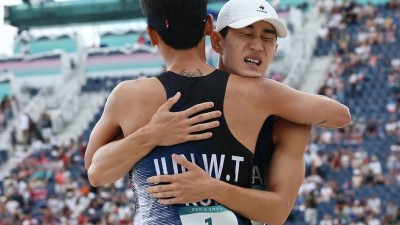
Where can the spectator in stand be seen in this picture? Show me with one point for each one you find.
(311, 215)
(326, 220)
(141, 39)
(391, 211)
(326, 193)
(2, 120)
(45, 126)
(345, 159)
(7, 108)
(358, 210)
(380, 129)
(317, 164)
(357, 179)
(375, 165)
(323, 33)
(379, 180)
(391, 127)
(393, 161)
(368, 10)
(355, 84)
(340, 91)
(335, 159)
(25, 50)
(371, 219)
(391, 106)
(392, 5)
(357, 132)
(371, 128)
(24, 128)
(393, 177)
(357, 160)
(5, 215)
(326, 136)
(374, 204)
(393, 83)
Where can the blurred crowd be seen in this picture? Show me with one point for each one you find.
(51, 187)
(339, 167)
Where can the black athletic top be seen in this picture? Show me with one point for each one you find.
(222, 156)
(265, 148)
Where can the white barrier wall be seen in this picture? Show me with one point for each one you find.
(7, 34)
(1, 14)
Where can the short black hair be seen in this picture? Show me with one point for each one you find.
(180, 23)
(224, 32)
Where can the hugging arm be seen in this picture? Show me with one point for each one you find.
(109, 156)
(304, 108)
(271, 207)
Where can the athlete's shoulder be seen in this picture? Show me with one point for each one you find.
(136, 90)
(241, 81)
(258, 86)
(256, 81)
(139, 86)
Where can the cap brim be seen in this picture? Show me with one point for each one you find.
(279, 26)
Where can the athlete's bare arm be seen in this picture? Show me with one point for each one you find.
(287, 168)
(293, 105)
(318, 109)
(108, 157)
(285, 176)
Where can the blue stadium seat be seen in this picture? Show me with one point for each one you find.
(3, 156)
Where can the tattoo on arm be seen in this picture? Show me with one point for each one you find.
(197, 73)
(316, 124)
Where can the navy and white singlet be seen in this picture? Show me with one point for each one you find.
(222, 156)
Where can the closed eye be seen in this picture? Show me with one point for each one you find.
(269, 39)
(247, 34)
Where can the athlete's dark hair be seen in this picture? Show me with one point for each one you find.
(180, 23)
(224, 32)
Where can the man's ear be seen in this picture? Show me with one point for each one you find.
(216, 42)
(152, 35)
(209, 25)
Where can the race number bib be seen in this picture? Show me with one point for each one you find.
(207, 215)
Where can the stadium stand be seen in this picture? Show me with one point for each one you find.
(34, 68)
(46, 44)
(353, 174)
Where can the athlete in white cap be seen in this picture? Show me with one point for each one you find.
(245, 38)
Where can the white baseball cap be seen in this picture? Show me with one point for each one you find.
(242, 13)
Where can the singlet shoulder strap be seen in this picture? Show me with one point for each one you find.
(163, 78)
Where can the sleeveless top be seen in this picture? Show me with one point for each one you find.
(222, 156)
(265, 148)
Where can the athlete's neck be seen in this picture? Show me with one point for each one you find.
(197, 73)
(221, 65)
(190, 62)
